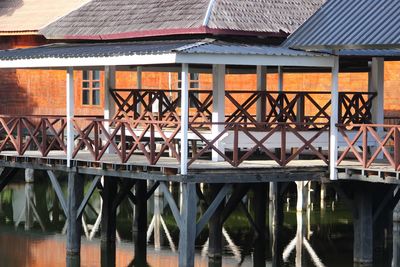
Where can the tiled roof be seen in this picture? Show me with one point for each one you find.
(29, 16)
(351, 24)
(116, 19)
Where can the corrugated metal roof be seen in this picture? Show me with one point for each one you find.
(117, 19)
(149, 47)
(351, 24)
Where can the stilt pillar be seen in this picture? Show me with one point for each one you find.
(363, 227)
(260, 208)
(187, 234)
(215, 227)
(29, 175)
(74, 228)
(140, 223)
(108, 221)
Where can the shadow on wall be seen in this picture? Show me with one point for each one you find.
(8, 7)
(14, 99)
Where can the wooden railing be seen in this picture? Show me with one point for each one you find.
(126, 137)
(241, 141)
(241, 106)
(258, 142)
(386, 148)
(22, 133)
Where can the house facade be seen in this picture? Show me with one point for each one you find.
(23, 90)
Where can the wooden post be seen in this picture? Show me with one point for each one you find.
(140, 229)
(218, 113)
(280, 78)
(261, 87)
(29, 175)
(215, 227)
(260, 208)
(333, 146)
(108, 221)
(187, 233)
(139, 85)
(70, 114)
(302, 196)
(363, 227)
(74, 228)
(377, 86)
(275, 223)
(184, 117)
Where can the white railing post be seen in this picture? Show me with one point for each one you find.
(218, 113)
(184, 117)
(70, 114)
(333, 146)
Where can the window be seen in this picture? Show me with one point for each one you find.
(193, 80)
(194, 83)
(91, 87)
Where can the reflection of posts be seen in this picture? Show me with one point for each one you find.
(396, 244)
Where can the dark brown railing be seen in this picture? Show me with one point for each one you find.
(241, 106)
(385, 140)
(22, 133)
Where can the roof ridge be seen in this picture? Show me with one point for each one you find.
(194, 45)
(208, 12)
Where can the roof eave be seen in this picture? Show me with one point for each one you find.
(168, 32)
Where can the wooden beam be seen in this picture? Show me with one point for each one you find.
(88, 194)
(58, 190)
(213, 207)
(187, 233)
(5, 177)
(261, 87)
(238, 193)
(74, 225)
(172, 204)
(140, 223)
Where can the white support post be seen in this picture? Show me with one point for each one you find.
(280, 78)
(333, 146)
(109, 104)
(70, 114)
(184, 117)
(261, 87)
(109, 83)
(218, 114)
(377, 86)
(139, 84)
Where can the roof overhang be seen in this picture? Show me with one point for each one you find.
(157, 53)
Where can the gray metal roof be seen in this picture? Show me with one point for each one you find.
(206, 46)
(118, 19)
(351, 24)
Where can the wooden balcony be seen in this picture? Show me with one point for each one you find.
(139, 138)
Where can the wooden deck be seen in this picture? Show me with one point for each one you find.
(201, 170)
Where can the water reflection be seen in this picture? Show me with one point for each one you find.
(32, 225)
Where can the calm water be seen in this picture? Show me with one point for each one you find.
(32, 229)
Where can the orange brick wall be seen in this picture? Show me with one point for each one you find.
(43, 91)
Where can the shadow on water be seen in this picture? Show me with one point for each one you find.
(32, 226)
